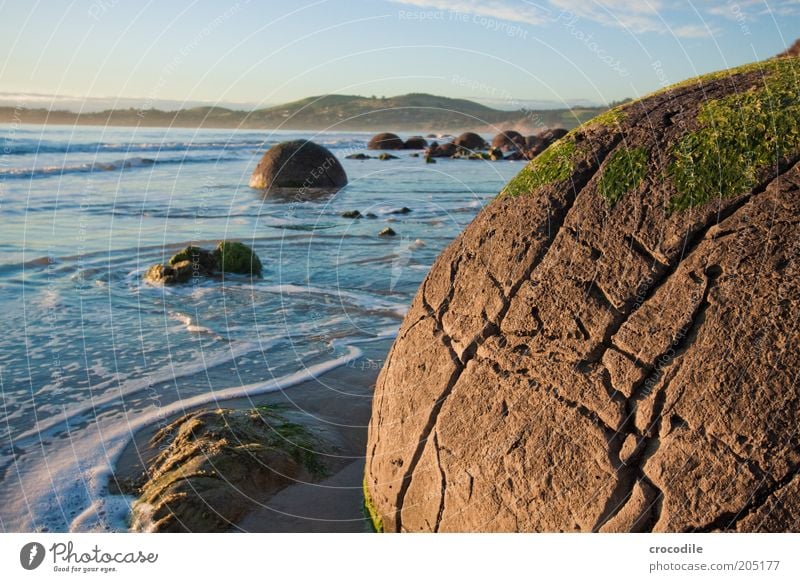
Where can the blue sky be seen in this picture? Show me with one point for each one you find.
(253, 53)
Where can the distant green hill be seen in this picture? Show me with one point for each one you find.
(412, 112)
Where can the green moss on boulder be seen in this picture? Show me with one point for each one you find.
(228, 257)
(203, 259)
(236, 257)
(371, 511)
(550, 167)
(623, 172)
(608, 118)
(741, 136)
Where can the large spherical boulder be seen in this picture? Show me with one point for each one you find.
(470, 141)
(298, 164)
(508, 140)
(415, 142)
(613, 344)
(386, 141)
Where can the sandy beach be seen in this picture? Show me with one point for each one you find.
(336, 404)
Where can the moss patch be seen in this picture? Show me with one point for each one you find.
(740, 137)
(713, 76)
(292, 438)
(610, 118)
(371, 511)
(553, 165)
(623, 173)
(236, 257)
(186, 254)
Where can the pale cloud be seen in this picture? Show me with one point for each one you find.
(635, 16)
(529, 13)
(753, 9)
(693, 31)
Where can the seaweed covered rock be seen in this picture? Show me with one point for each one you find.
(298, 164)
(171, 274)
(612, 343)
(386, 141)
(228, 257)
(214, 467)
(236, 257)
(205, 262)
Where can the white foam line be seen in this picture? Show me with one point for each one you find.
(363, 298)
(129, 387)
(389, 332)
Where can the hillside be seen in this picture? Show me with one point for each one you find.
(414, 111)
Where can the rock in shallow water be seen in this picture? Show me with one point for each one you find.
(607, 349)
(236, 257)
(385, 141)
(228, 257)
(298, 164)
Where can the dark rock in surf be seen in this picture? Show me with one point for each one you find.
(415, 143)
(385, 141)
(470, 141)
(508, 140)
(298, 165)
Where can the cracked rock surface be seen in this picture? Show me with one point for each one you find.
(575, 365)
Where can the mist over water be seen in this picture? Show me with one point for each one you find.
(90, 354)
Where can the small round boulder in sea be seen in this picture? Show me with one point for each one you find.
(298, 164)
(228, 257)
(415, 142)
(509, 140)
(386, 141)
(470, 141)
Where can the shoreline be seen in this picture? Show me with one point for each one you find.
(338, 404)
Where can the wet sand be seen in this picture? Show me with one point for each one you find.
(337, 405)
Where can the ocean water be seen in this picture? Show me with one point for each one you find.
(90, 354)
